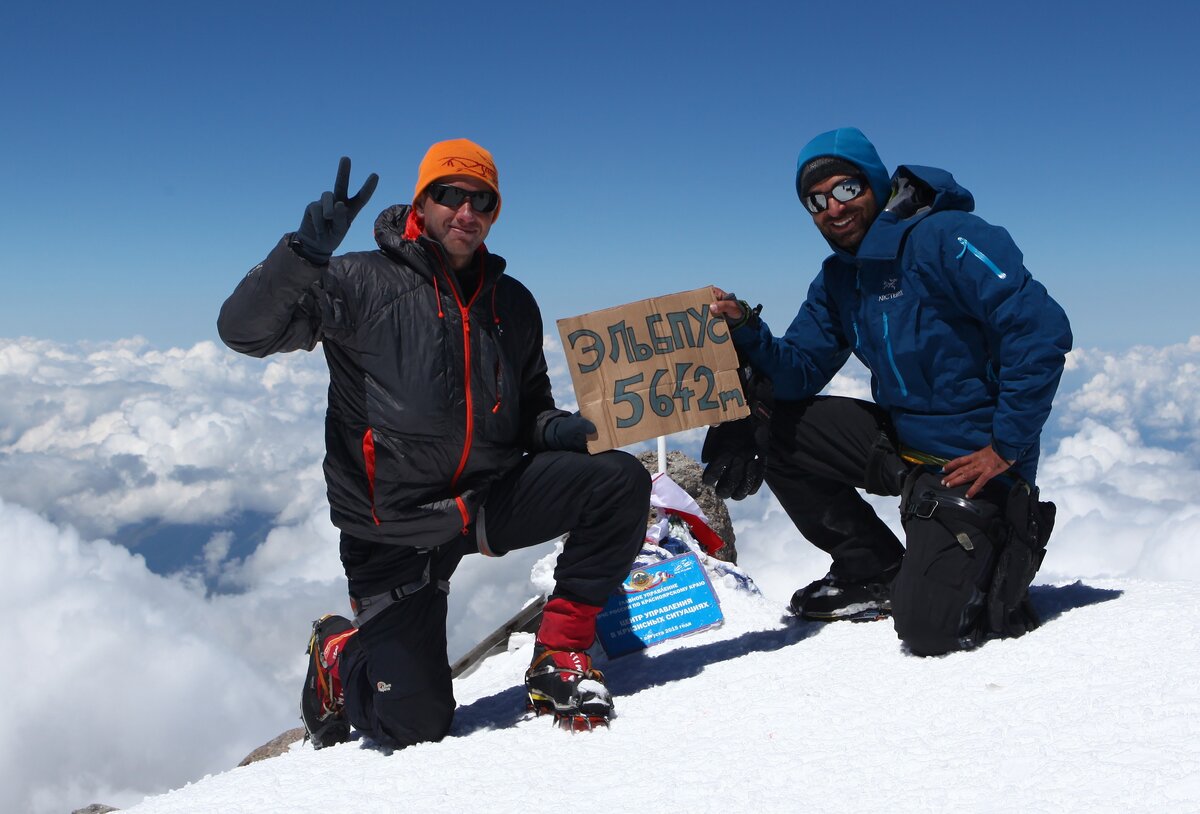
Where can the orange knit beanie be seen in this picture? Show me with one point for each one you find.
(458, 156)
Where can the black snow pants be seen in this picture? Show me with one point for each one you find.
(822, 451)
(395, 671)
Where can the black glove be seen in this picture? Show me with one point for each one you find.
(736, 456)
(568, 433)
(1029, 523)
(736, 451)
(327, 221)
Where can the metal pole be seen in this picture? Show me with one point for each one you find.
(662, 454)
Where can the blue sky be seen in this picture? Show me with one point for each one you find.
(153, 154)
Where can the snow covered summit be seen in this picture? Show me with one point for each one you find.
(1098, 711)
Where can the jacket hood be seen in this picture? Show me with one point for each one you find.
(396, 232)
(391, 227)
(917, 192)
(849, 144)
(915, 187)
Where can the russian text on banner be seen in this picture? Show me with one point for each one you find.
(657, 603)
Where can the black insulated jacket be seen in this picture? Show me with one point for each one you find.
(434, 392)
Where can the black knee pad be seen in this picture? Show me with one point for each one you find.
(932, 619)
(939, 596)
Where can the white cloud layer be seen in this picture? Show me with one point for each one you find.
(128, 682)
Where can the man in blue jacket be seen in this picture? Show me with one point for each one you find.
(965, 351)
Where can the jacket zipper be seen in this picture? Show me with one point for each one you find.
(465, 312)
(368, 441)
(368, 448)
(987, 261)
(857, 308)
(499, 333)
(887, 343)
(887, 340)
(499, 380)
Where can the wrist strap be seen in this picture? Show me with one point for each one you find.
(748, 314)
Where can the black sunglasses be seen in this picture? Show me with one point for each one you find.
(844, 192)
(483, 200)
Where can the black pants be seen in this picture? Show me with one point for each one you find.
(826, 448)
(396, 673)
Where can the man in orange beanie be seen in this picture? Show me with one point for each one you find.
(442, 439)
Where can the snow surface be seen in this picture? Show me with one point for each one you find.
(1098, 711)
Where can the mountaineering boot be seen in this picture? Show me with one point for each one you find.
(830, 599)
(560, 678)
(563, 683)
(321, 698)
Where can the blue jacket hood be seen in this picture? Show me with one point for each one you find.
(915, 187)
(916, 193)
(850, 144)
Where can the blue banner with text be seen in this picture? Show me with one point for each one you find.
(656, 603)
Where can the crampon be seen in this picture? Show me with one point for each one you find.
(563, 683)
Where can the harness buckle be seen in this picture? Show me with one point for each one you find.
(368, 607)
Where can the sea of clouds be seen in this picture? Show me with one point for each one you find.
(165, 542)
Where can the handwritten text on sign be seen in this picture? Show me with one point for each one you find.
(652, 368)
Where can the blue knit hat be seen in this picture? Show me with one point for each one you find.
(846, 144)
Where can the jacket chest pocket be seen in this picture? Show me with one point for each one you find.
(499, 386)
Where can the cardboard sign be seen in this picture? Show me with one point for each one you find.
(656, 603)
(652, 368)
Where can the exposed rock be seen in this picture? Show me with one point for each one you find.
(95, 808)
(275, 747)
(687, 472)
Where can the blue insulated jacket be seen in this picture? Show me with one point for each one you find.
(965, 348)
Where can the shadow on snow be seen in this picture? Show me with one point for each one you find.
(634, 673)
(1052, 601)
(640, 671)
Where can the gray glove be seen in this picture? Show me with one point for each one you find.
(326, 221)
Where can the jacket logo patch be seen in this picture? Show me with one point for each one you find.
(890, 289)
